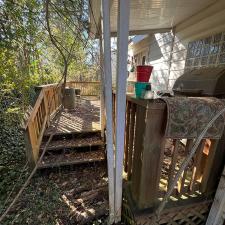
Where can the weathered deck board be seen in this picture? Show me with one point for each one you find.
(84, 118)
(71, 158)
(89, 141)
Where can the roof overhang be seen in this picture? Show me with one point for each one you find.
(148, 16)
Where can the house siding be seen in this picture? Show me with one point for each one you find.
(169, 53)
(160, 54)
(207, 24)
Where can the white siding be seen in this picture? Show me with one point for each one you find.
(161, 46)
(207, 22)
(167, 53)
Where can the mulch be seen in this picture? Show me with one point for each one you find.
(64, 198)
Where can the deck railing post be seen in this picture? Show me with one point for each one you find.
(122, 50)
(108, 100)
(46, 108)
(29, 149)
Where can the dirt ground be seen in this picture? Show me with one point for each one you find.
(63, 198)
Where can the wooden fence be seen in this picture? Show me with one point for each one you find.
(151, 161)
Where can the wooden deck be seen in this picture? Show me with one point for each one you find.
(75, 157)
(152, 161)
(84, 118)
(77, 138)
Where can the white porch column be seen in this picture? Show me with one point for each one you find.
(108, 105)
(102, 94)
(122, 53)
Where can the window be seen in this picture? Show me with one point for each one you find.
(206, 52)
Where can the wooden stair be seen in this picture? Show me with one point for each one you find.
(73, 149)
(67, 141)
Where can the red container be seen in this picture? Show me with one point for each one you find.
(144, 73)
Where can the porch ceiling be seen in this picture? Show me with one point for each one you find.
(149, 15)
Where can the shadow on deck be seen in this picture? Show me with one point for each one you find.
(84, 118)
(77, 137)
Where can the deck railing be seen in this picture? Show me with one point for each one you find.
(91, 88)
(151, 161)
(47, 103)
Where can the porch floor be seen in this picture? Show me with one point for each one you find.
(84, 118)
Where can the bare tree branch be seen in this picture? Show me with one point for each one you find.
(65, 71)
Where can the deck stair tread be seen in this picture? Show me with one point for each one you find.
(76, 136)
(71, 158)
(89, 141)
(62, 133)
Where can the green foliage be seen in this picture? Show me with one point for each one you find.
(27, 56)
(20, 51)
(12, 155)
(28, 59)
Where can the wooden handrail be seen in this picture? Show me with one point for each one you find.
(47, 103)
(88, 82)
